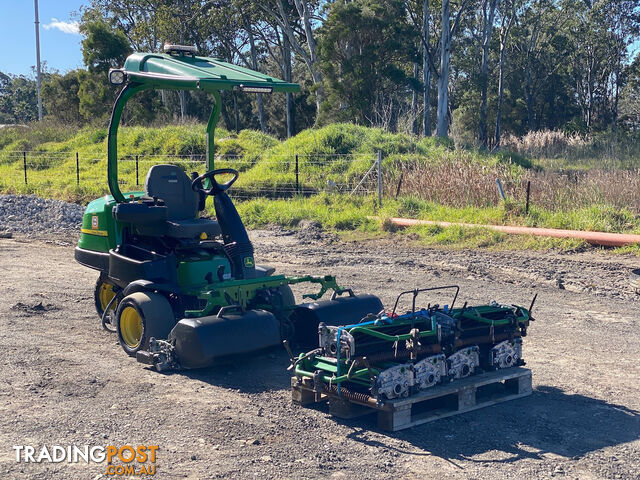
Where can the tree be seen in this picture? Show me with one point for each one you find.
(488, 16)
(364, 48)
(308, 51)
(448, 30)
(508, 16)
(18, 99)
(103, 47)
(60, 97)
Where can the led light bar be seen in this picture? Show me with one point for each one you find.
(171, 49)
(117, 77)
(248, 89)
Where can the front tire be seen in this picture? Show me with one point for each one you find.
(139, 317)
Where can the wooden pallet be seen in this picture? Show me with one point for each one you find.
(442, 401)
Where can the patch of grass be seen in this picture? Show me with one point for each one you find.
(353, 217)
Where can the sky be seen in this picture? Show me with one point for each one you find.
(59, 37)
(60, 40)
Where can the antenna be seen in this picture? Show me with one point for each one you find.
(38, 62)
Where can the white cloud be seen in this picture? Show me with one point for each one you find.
(65, 27)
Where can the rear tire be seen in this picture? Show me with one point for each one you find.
(103, 293)
(139, 317)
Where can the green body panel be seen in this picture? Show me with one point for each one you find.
(194, 269)
(100, 231)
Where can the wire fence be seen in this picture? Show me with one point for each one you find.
(270, 176)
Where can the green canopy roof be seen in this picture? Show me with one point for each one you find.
(186, 71)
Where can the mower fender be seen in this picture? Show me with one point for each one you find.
(199, 342)
(340, 310)
(148, 286)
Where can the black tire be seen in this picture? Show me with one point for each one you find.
(139, 317)
(102, 293)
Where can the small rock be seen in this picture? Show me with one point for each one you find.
(265, 458)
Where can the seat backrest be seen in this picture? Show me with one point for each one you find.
(171, 184)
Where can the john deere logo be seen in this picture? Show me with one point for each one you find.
(248, 262)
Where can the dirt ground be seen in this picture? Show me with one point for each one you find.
(66, 381)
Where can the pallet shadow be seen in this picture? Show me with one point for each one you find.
(548, 421)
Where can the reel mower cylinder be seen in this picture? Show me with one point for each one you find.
(337, 311)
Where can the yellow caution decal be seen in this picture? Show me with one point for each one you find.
(99, 233)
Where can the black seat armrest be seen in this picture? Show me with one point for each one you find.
(139, 213)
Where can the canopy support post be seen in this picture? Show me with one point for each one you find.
(112, 143)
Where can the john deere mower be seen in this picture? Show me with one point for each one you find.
(180, 290)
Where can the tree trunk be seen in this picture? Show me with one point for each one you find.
(183, 101)
(414, 103)
(309, 57)
(290, 107)
(426, 73)
(504, 36)
(236, 113)
(443, 81)
(254, 64)
(529, 99)
(487, 32)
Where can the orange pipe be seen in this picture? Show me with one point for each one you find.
(596, 238)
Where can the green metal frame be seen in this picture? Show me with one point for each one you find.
(145, 71)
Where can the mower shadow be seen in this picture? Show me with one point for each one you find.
(549, 421)
(264, 372)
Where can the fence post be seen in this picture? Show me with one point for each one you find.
(500, 189)
(24, 163)
(137, 183)
(526, 208)
(77, 169)
(297, 179)
(399, 184)
(380, 178)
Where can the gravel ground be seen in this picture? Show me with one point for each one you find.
(38, 217)
(66, 381)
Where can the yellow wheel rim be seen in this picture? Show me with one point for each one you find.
(105, 294)
(131, 327)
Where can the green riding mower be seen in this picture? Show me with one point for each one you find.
(180, 290)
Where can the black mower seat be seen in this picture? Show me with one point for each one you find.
(170, 184)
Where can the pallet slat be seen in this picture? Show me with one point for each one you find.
(459, 396)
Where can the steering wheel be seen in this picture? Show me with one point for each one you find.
(216, 187)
